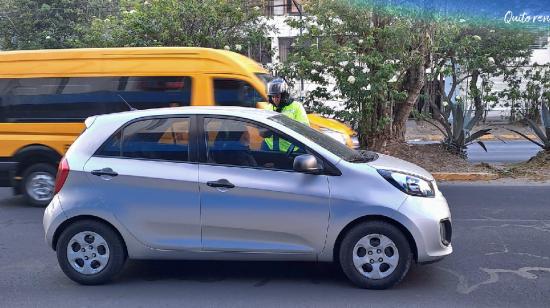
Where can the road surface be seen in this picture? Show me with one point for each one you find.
(501, 259)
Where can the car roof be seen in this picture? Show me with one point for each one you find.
(243, 112)
(36, 59)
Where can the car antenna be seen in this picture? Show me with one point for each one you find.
(127, 104)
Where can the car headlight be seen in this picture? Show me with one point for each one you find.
(409, 184)
(334, 135)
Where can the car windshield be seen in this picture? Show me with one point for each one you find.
(324, 141)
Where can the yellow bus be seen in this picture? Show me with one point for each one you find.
(45, 96)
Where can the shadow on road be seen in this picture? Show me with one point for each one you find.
(258, 274)
(218, 271)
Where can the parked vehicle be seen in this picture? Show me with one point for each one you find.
(198, 183)
(45, 95)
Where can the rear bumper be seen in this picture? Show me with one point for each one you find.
(53, 218)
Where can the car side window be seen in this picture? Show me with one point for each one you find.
(156, 139)
(235, 92)
(239, 143)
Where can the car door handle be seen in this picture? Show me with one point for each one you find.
(222, 183)
(104, 171)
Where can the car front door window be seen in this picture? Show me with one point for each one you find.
(239, 143)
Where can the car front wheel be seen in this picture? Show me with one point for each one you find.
(375, 255)
(90, 252)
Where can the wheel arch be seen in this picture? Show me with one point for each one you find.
(35, 153)
(74, 219)
(367, 218)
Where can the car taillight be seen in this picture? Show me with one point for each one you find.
(62, 173)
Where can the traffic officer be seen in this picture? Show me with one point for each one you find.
(279, 101)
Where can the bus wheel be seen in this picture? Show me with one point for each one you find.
(38, 184)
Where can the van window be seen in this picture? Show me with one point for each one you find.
(235, 92)
(155, 139)
(72, 99)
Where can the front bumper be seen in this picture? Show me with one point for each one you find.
(432, 226)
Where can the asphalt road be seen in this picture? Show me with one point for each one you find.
(500, 152)
(501, 259)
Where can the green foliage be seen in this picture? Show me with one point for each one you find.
(30, 24)
(367, 54)
(531, 102)
(544, 133)
(462, 136)
(375, 57)
(229, 24)
(475, 54)
(526, 89)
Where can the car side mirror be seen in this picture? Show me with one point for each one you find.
(307, 163)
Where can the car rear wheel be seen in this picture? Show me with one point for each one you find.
(375, 255)
(38, 184)
(90, 252)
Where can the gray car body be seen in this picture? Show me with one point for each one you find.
(164, 210)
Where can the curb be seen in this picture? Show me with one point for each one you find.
(459, 176)
(507, 137)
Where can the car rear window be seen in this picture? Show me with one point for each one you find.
(155, 139)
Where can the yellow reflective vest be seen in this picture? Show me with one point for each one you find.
(295, 111)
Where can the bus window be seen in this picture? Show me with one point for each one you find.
(72, 99)
(235, 92)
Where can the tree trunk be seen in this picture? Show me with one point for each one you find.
(399, 128)
(376, 142)
(377, 138)
(415, 83)
(476, 94)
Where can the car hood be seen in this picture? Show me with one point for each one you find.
(395, 164)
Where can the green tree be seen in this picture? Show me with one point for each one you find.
(375, 58)
(473, 53)
(32, 24)
(527, 88)
(229, 24)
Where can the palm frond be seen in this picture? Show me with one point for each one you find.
(526, 137)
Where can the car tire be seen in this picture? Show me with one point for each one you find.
(103, 249)
(375, 255)
(38, 184)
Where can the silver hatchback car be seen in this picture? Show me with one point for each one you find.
(230, 183)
